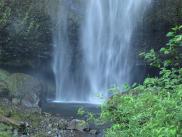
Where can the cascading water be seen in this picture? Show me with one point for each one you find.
(106, 42)
(105, 46)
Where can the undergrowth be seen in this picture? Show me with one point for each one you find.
(154, 108)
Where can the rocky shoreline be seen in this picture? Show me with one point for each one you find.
(21, 114)
(31, 122)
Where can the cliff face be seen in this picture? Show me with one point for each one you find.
(26, 30)
(25, 34)
(160, 17)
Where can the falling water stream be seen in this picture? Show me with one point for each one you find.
(105, 47)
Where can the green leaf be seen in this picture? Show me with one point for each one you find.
(170, 34)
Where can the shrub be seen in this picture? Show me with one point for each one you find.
(153, 109)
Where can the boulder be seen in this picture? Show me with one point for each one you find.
(79, 125)
(62, 124)
(93, 132)
(4, 75)
(26, 88)
(30, 100)
(16, 101)
(3, 89)
(3, 84)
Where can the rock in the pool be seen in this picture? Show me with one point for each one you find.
(79, 125)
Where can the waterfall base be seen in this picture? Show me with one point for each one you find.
(69, 109)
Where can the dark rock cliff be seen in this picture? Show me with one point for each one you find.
(26, 38)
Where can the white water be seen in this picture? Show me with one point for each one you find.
(106, 48)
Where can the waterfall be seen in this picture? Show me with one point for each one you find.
(105, 46)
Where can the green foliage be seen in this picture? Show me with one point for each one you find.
(20, 114)
(5, 131)
(152, 58)
(154, 108)
(170, 55)
(151, 113)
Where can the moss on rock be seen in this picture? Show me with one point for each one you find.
(5, 131)
(4, 75)
(21, 84)
(3, 82)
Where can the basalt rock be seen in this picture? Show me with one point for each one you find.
(4, 91)
(26, 88)
(79, 125)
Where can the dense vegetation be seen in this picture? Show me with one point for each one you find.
(25, 33)
(154, 108)
(151, 109)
